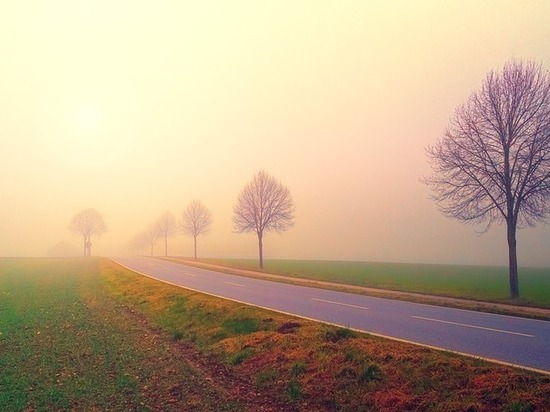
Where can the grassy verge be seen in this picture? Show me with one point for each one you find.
(111, 339)
(481, 283)
(318, 367)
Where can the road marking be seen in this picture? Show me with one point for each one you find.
(235, 284)
(473, 326)
(190, 274)
(339, 303)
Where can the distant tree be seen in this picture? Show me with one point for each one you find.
(493, 163)
(196, 220)
(138, 243)
(152, 234)
(166, 227)
(87, 223)
(263, 205)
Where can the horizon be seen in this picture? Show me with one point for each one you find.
(255, 259)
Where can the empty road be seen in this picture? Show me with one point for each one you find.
(518, 341)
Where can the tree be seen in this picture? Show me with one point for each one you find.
(152, 236)
(87, 223)
(263, 205)
(166, 227)
(493, 162)
(196, 220)
(138, 243)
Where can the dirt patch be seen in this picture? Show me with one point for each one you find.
(288, 327)
(208, 370)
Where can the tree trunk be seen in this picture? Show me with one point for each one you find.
(513, 260)
(152, 247)
(261, 250)
(87, 245)
(195, 245)
(166, 246)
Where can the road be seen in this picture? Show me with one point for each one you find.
(518, 341)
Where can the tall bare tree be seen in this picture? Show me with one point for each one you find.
(493, 162)
(196, 220)
(166, 227)
(263, 205)
(87, 223)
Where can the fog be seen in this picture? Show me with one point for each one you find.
(135, 108)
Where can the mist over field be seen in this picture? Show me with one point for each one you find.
(135, 109)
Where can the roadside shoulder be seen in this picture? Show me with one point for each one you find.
(467, 304)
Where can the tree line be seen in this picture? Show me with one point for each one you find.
(492, 165)
(264, 205)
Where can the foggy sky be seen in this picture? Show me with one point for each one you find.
(137, 107)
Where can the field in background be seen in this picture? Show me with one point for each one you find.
(87, 334)
(484, 283)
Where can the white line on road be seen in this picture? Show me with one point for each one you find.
(339, 303)
(235, 284)
(473, 326)
(190, 274)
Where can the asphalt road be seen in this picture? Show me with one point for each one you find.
(518, 341)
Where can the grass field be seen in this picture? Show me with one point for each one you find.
(88, 335)
(66, 345)
(484, 283)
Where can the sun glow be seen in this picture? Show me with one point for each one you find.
(88, 140)
(88, 118)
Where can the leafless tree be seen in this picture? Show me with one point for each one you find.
(138, 243)
(196, 220)
(263, 205)
(87, 223)
(493, 162)
(166, 227)
(152, 237)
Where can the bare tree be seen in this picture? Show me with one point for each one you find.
(87, 223)
(493, 163)
(166, 227)
(138, 243)
(152, 237)
(196, 220)
(263, 205)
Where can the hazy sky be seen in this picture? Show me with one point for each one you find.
(137, 107)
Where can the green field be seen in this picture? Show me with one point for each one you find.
(85, 334)
(67, 345)
(484, 283)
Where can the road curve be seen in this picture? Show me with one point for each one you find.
(517, 341)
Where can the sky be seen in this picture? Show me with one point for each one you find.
(135, 107)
